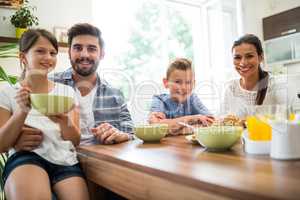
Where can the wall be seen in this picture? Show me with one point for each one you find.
(51, 13)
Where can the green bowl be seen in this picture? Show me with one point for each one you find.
(51, 104)
(218, 138)
(151, 132)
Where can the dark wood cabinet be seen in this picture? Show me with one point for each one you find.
(284, 23)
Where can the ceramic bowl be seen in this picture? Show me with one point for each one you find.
(218, 138)
(151, 132)
(51, 104)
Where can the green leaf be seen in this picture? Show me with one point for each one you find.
(9, 78)
(9, 51)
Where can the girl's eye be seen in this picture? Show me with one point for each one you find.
(249, 56)
(236, 57)
(40, 51)
(53, 53)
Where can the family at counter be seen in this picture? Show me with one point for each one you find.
(42, 148)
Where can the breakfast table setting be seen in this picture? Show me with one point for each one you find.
(198, 166)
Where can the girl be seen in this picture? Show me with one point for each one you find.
(53, 165)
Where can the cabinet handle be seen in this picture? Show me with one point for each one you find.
(288, 32)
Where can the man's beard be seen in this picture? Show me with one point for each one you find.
(84, 72)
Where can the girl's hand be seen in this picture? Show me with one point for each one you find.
(59, 117)
(62, 117)
(23, 99)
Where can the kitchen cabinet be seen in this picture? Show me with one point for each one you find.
(281, 24)
(282, 40)
(283, 49)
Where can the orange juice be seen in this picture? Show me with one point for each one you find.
(258, 128)
(292, 117)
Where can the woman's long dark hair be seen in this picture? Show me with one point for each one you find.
(263, 76)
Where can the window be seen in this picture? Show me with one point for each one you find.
(142, 36)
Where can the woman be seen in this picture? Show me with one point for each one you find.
(53, 166)
(255, 86)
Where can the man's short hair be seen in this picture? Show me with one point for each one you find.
(85, 29)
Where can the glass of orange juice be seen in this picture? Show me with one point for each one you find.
(258, 128)
(258, 120)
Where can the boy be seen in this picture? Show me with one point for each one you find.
(180, 105)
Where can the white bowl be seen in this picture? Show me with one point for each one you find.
(255, 146)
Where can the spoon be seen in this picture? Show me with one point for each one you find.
(187, 125)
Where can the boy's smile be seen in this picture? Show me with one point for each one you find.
(180, 84)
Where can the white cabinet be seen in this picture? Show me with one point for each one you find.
(283, 50)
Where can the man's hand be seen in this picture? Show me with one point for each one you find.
(107, 134)
(29, 139)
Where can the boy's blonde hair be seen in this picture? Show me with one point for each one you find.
(179, 64)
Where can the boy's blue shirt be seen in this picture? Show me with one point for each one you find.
(163, 103)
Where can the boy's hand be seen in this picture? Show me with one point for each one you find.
(156, 117)
(107, 134)
(203, 119)
(29, 139)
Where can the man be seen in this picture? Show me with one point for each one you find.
(104, 117)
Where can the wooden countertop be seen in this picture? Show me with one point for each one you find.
(177, 169)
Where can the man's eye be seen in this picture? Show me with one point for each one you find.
(92, 49)
(77, 48)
